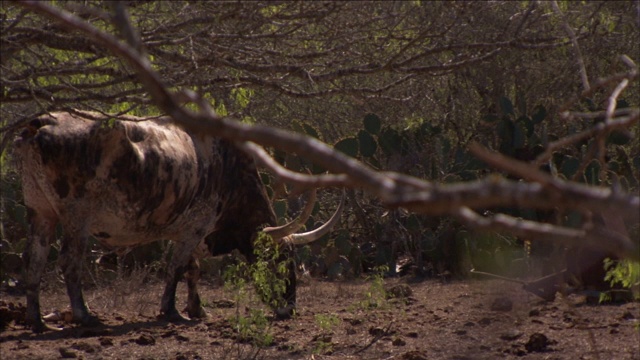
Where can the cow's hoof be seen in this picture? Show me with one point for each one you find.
(41, 327)
(285, 313)
(90, 321)
(172, 316)
(198, 314)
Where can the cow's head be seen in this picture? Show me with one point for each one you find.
(278, 248)
(245, 210)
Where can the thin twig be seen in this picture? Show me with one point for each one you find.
(574, 41)
(375, 339)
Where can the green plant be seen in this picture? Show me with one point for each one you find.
(323, 345)
(268, 273)
(254, 326)
(327, 322)
(622, 272)
(323, 341)
(267, 276)
(376, 295)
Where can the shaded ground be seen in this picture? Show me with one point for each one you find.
(338, 320)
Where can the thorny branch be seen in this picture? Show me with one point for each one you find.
(394, 189)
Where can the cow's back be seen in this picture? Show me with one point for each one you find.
(127, 182)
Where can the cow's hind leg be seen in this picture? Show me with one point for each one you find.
(182, 255)
(194, 308)
(41, 234)
(72, 256)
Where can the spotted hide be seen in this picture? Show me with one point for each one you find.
(132, 182)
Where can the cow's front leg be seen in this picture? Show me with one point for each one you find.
(41, 233)
(182, 253)
(194, 307)
(286, 309)
(72, 256)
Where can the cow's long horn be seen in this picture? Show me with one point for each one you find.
(280, 232)
(311, 236)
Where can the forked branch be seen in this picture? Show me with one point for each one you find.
(542, 191)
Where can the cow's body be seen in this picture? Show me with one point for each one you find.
(129, 183)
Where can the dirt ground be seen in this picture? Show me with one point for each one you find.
(430, 319)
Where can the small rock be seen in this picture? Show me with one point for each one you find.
(145, 340)
(325, 338)
(376, 331)
(502, 304)
(83, 346)
(67, 354)
(538, 342)
(398, 342)
(106, 342)
(519, 352)
(399, 291)
(460, 332)
(534, 312)
(182, 338)
(412, 334)
(469, 324)
(628, 315)
(415, 355)
(223, 304)
(511, 335)
(169, 333)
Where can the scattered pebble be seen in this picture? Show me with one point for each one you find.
(502, 304)
(67, 354)
(376, 331)
(145, 340)
(538, 342)
(399, 291)
(414, 355)
(511, 335)
(628, 315)
(106, 342)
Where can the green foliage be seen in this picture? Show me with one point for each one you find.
(348, 146)
(569, 167)
(268, 278)
(492, 252)
(323, 344)
(368, 144)
(280, 208)
(592, 173)
(327, 322)
(506, 106)
(269, 275)
(372, 124)
(539, 114)
(625, 273)
(376, 295)
(242, 96)
(390, 141)
(305, 128)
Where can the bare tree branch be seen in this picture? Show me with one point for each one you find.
(394, 190)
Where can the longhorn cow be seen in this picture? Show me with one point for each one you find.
(137, 181)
